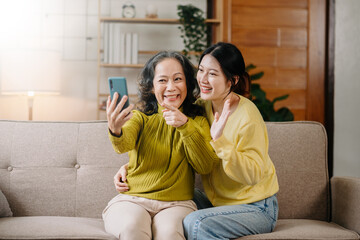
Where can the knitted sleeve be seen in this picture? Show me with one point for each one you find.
(129, 134)
(196, 138)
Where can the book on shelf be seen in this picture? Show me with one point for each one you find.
(106, 43)
(128, 48)
(116, 44)
(122, 48)
(135, 48)
(111, 43)
(119, 47)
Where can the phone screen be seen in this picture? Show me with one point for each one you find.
(118, 84)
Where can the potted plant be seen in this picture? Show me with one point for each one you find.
(265, 106)
(193, 30)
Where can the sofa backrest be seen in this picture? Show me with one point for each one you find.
(299, 153)
(67, 168)
(57, 168)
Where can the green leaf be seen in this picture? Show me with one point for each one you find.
(249, 67)
(258, 93)
(256, 76)
(283, 114)
(280, 98)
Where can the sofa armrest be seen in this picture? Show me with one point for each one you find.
(345, 198)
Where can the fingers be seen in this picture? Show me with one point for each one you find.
(125, 113)
(216, 117)
(112, 103)
(117, 177)
(123, 173)
(108, 102)
(169, 114)
(219, 123)
(226, 111)
(121, 104)
(227, 106)
(122, 187)
(174, 118)
(130, 114)
(110, 107)
(128, 110)
(164, 105)
(119, 181)
(226, 116)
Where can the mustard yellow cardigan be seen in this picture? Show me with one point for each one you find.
(162, 158)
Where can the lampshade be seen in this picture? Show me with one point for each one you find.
(30, 72)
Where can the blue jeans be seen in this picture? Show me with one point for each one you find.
(226, 222)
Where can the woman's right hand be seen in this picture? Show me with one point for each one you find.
(219, 122)
(120, 179)
(116, 115)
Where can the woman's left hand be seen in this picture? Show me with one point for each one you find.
(173, 116)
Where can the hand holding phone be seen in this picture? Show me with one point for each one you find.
(116, 116)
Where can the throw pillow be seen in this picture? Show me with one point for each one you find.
(5, 210)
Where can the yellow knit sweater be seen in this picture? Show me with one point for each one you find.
(245, 173)
(163, 158)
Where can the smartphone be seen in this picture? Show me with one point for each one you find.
(118, 84)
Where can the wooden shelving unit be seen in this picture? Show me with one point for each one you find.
(121, 65)
(150, 20)
(216, 22)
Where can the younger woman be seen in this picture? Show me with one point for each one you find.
(240, 191)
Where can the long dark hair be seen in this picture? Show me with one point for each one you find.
(148, 102)
(233, 65)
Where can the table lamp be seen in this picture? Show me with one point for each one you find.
(30, 73)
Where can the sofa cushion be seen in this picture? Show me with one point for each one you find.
(304, 229)
(5, 210)
(52, 228)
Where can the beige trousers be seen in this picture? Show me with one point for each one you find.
(137, 218)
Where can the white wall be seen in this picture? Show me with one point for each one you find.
(347, 89)
(70, 27)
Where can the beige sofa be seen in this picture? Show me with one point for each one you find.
(58, 177)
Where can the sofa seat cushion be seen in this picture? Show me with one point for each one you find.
(296, 229)
(44, 227)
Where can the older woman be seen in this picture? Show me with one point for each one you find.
(167, 140)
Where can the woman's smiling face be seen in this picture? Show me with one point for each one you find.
(211, 79)
(170, 83)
